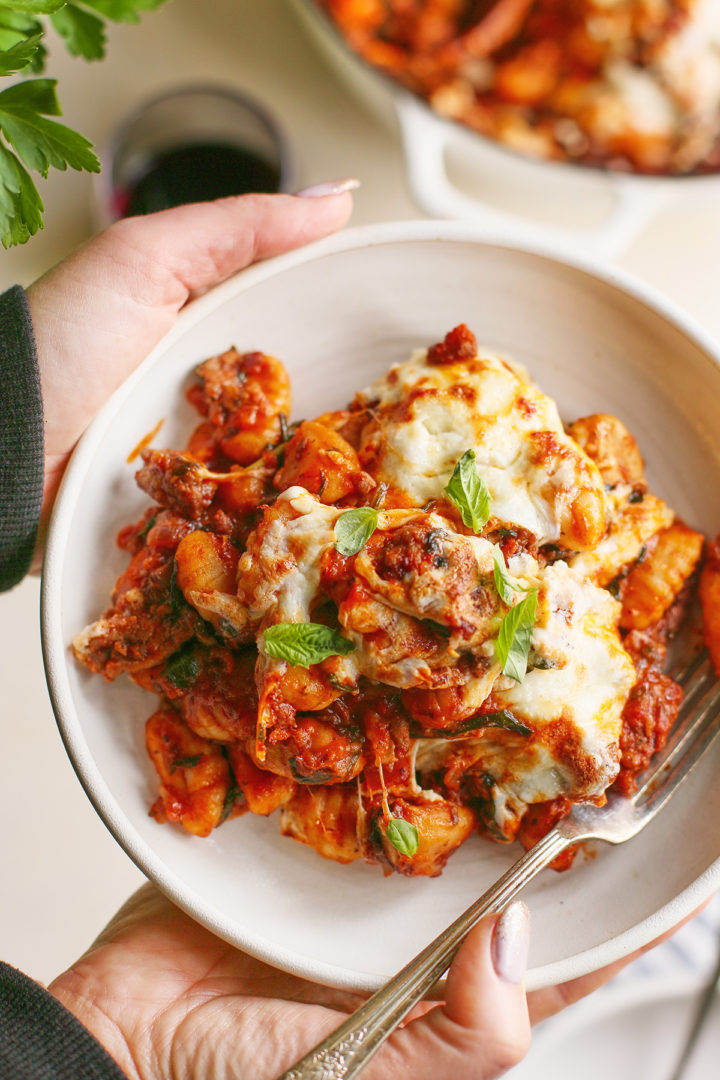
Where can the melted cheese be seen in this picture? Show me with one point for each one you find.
(427, 416)
(279, 573)
(591, 674)
(423, 609)
(574, 707)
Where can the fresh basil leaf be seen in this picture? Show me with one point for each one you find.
(182, 669)
(186, 762)
(515, 635)
(403, 835)
(470, 493)
(505, 583)
(354, 528)
(303, 644)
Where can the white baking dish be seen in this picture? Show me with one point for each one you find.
(453, 172)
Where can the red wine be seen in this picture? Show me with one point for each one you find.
(198, 173)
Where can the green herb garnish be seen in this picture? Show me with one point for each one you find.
(503, 719)
(186, 762)
(29, 141)
(513, 641)
(176, 596)
(303, 644)
(234, 792)
(402, 835)
(147, 527)
(182, 669)
(469, 492)
(354, 528)
(505, 584)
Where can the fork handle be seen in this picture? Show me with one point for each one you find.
(348, 1049)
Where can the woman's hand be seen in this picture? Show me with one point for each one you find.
(97, 314)
(168, 1000)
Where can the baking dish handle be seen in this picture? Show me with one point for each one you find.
(425, 139)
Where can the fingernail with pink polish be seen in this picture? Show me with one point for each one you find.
(511, 942)
(329, 187)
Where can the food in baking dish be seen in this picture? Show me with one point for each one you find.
(625, 84)
(435, 611)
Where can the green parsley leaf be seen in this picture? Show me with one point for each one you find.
(83, 33)
(505, 584)
(20, 204)
(127, 11)
(19, 56)
(403, 835)
(41, 144)
(303, 644)
(36, 95)
(38, 142)
(15, 26)
(514, 637)
(34, 7)
(470, 493)
(354, 528)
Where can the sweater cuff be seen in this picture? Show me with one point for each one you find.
(22, 459)
(41, 1040)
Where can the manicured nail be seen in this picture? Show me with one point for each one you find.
(511, 942)
(329, 187)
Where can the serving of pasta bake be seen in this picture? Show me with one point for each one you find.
(632, 85)
(437, 611)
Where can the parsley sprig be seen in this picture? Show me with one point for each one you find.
(29, 140)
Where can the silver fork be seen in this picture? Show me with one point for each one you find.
(348, 1049)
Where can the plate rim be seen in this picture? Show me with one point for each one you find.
(100, 795)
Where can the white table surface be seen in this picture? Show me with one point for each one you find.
(63, 874)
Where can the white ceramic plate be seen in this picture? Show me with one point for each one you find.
(339, 314)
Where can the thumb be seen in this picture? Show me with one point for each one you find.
(162, 260)
(100, 311)
(483, 1028)
(178, 253)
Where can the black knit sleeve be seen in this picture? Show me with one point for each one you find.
(21, 438)
(41, 1040)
